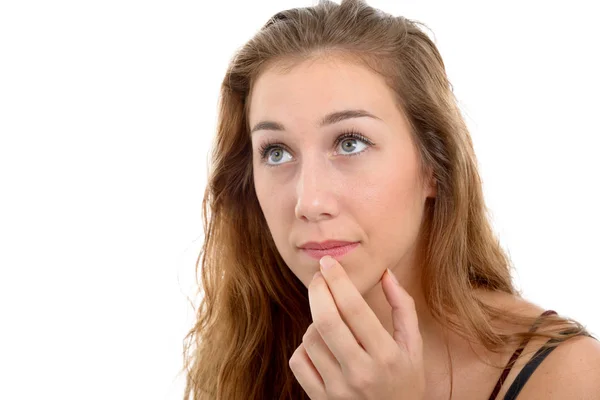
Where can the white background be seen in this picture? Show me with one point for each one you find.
(107, 109)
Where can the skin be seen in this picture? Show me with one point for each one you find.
(317, 191)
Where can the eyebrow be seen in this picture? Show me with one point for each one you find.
(329, 119)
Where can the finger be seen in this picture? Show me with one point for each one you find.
(358, 316)
(334, 332)
(306, 374)
(322, 358)
(404, 314)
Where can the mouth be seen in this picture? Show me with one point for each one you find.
(335, 252)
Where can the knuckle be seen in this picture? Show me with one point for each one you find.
(311, 336)
(294, 360)
(312, 329)
(390, 360)
(360, 380)
(326, 323)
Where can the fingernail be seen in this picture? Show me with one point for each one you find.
(393, 277)
(316, 275)
(327, 262)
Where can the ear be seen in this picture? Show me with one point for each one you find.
(431, 187)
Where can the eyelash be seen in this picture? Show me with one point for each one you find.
(350, 134)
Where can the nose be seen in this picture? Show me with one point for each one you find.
(316, 197)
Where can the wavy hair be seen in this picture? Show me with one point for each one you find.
(254, 310)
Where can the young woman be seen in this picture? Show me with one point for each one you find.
(340, 148)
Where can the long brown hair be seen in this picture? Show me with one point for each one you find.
(254, 310)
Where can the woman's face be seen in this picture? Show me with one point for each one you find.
(313, 188)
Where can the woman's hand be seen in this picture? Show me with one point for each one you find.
(347, 354)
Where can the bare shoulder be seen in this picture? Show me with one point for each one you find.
(571, 371)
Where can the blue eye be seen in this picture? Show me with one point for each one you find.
(350, 137)
(273, 149)
(352, 141)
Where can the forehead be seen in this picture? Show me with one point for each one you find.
(313, 88)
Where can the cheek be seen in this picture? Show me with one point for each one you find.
(392, 215)
(265, 197)
(270, 199)
(389, 194)
(271, 212)
(266, 191)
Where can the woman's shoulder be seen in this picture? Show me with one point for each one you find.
(569, 371)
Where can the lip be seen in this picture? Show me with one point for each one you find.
(328, 244)
(336, 252)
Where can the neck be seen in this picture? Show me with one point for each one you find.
(432, 332)
(438, 341)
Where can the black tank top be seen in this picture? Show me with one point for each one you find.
(528, 369)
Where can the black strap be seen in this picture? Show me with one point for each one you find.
(527, 370)
(516, 355)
